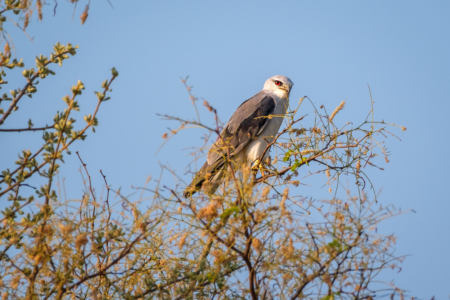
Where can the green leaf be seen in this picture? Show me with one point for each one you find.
(287, 155)
(305, 161)
(229, 211)
(335, 244)
(296, 165)
(114, 72)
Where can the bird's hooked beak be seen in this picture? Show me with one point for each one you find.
(286, 89)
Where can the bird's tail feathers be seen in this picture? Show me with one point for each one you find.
(202, 179)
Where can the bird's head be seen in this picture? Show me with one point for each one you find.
(278, 83)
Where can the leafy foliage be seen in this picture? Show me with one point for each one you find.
(285, 245)
(256, 238)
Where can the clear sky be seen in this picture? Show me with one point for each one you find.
(330, 49)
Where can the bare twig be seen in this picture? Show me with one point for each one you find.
(28, 129)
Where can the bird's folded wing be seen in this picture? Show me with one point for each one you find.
(244, 125)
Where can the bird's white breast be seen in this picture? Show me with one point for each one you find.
(256, 147)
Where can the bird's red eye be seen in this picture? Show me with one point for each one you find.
(278, 82)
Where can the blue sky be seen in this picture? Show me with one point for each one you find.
(330, 49)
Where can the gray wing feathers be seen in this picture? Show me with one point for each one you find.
(244, 124)
(248, 108)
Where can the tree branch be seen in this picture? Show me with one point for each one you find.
(27, 129)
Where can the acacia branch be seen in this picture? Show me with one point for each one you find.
(102, 271)
(20, 167)
(65, 147)
(313, 157)
(280, 134)
(208, 228)
(25, 88)
(27, 129)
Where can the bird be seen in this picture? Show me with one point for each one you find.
(253, 125)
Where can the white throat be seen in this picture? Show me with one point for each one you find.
(281, 94)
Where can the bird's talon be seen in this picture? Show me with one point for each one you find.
(255, 167)
(258, 166)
